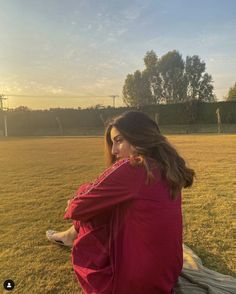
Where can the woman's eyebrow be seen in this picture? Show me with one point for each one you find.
(117, 137)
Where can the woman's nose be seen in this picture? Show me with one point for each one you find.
(114, 150)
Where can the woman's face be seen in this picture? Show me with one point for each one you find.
(121, 148)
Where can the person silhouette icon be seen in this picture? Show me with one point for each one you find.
(9, 285)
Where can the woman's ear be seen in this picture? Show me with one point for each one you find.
(133, 150)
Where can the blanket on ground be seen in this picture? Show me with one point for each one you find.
(197, 279)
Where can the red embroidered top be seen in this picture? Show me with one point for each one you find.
(130, 233)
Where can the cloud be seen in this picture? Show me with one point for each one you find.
(102, 82)
(99, 28)
(121, 31)
(11, 86)
(113, 63)
(106, 65)
(71, 54)
(108, 86)
(111, 40)
(93, 45)
(134, 12)
(55, 90)
(211, 39)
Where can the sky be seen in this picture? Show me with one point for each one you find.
(77, 53)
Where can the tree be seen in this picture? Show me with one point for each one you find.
(169, 79)
(166, 76)
(136, 90)
(150, 61)
(199, 84)
(22, 109)
(153, 76)
(232, 93)
(172, 81)
(97, 106)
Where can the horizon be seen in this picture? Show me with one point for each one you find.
(66, 55)
(98, 106)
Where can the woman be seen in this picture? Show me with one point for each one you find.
(127, 225)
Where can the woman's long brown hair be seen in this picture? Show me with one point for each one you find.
(144, 135)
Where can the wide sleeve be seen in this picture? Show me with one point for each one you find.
(121, 183)
(83, 188)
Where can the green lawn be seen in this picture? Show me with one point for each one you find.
(38, 176)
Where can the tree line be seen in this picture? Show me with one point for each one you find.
(59, 121)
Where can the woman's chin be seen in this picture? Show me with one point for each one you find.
(122, 157)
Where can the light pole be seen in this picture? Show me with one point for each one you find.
(114, 98)
(218, 116)
(4, 115)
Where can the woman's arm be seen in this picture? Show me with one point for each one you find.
(120, 184)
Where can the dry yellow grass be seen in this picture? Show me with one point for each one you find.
(38, 176)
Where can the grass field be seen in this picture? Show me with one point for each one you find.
(38, 175)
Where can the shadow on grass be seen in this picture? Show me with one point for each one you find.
(212, 261)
